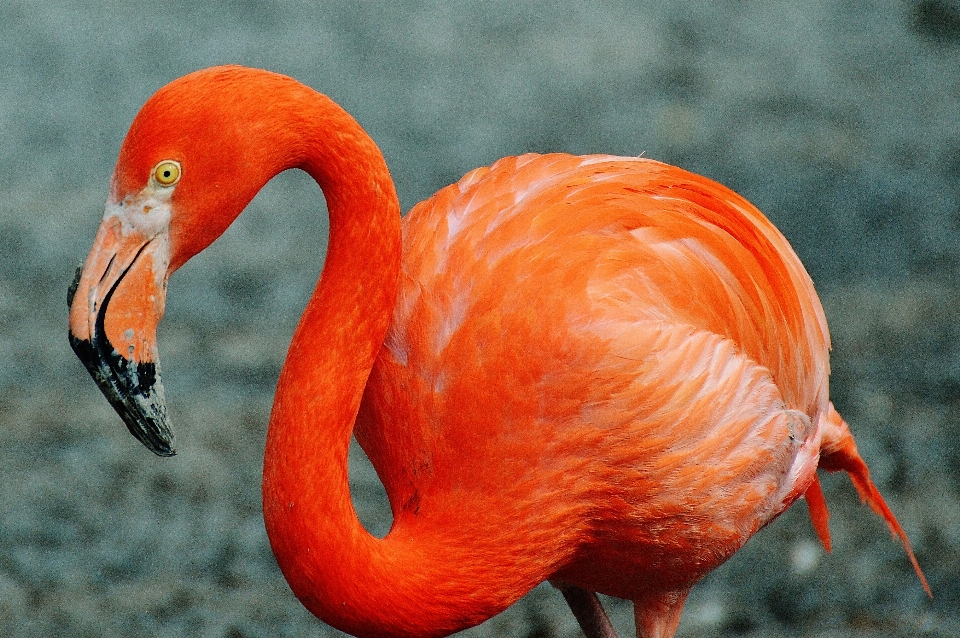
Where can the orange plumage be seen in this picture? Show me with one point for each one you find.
(607, 372)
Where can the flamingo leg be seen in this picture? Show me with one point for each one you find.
(588, 610)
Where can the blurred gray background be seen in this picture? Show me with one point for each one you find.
(840, 120)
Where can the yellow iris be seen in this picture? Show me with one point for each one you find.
(167, 172)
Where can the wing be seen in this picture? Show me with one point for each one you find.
(615, 318)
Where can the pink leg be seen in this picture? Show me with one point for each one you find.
(588, 611)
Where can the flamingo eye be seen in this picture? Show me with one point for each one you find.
(167, 172)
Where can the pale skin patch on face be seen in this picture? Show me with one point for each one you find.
(148, 215)
(133, 243)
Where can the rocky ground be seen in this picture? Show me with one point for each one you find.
(839, 119)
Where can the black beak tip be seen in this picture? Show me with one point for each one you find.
(134, 390)
(160, 447)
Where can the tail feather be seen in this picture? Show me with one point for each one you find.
(839, 452)
(819, 514)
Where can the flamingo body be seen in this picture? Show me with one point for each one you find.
(598, 342)
(607, 372)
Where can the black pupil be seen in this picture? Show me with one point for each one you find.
(166, 173)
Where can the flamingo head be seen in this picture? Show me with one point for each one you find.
(195, 155)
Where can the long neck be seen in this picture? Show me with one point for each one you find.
(431, 575)
(340, 572)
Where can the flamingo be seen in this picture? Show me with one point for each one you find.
(603, 372)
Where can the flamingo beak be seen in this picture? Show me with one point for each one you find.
(116, 302)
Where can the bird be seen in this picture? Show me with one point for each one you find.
(603, 372)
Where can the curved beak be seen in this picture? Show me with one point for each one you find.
(116, 302)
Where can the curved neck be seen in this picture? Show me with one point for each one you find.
(306, 500)
(417, 580)
(341, 573)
